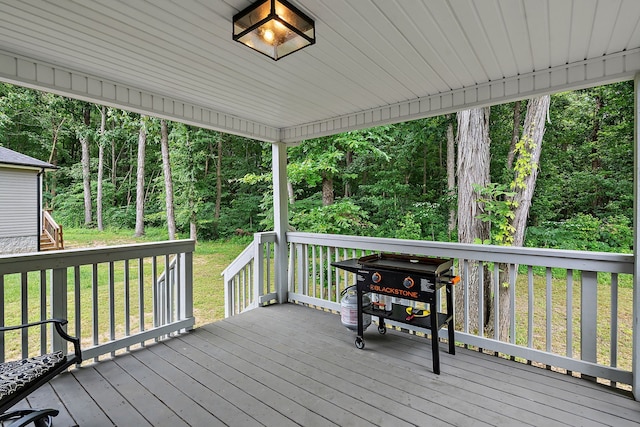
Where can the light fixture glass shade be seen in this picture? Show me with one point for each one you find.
(273, 27)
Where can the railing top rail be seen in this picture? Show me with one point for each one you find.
(10, 264)
(569, 259)
(240, 261)
(49, 218)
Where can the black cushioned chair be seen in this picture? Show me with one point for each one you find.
(20, 378)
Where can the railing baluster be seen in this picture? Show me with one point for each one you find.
(24, 300)
(480, 298)
(77, 300)
(112, 304)
(322, 272)
(530, 298)
(496, 301)
(569, 352)
(127, 301)
(465, 281)
(329, 274)
(549, 310)
(337, 287)
(155, 293)
(314, 271)
(95, 299)
(141, 305)
(513, 273)
(614, 320)
(43, 310)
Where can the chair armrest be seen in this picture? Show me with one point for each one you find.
(29, 325)
(58, 323)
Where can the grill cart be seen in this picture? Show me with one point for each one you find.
(408, 280)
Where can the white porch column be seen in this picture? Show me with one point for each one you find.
(635, 355)
(280, 218)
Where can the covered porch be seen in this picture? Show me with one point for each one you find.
(375, 62)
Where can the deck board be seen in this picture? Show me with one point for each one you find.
(290, 365)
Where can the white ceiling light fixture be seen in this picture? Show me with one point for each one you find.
(274, 28)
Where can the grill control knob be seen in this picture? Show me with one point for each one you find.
(408, 282)
(376, 277)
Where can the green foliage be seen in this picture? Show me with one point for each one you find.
(409, 228)
(498, 212)
(342, 217)
(584, 232)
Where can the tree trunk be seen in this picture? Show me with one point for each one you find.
(348, 160)
(53, 159)
(142, 141)
(101, 142)
(526, 157)
(473, 168)
(168, 182)
(515, 135)
(327, 190)
(193, 228)
(218, 180)
(86, 164)
(451, 174)
(290, 192)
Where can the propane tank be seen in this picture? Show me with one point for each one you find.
(349, 309)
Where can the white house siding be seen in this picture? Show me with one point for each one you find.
(18, 210)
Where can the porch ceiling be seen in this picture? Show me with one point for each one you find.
(375, 61)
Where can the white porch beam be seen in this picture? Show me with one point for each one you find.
(280, 218)
(635, 353)
(74, 84)
(577, 75)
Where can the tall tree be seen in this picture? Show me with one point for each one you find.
(142, 142)
(473, 171)
(526, 164)
(86, 163)
(218, 180)
(451, 174)
(101, 143)
(168, 182)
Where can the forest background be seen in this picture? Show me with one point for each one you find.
(389, 181)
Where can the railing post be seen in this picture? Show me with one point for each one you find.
(59, 304)
(280, 217)
(258, 268)
(186, 285)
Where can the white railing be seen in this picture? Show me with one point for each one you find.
(245, 286)
(114, 297)
(566, 305)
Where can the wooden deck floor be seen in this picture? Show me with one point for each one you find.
(288, 365)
